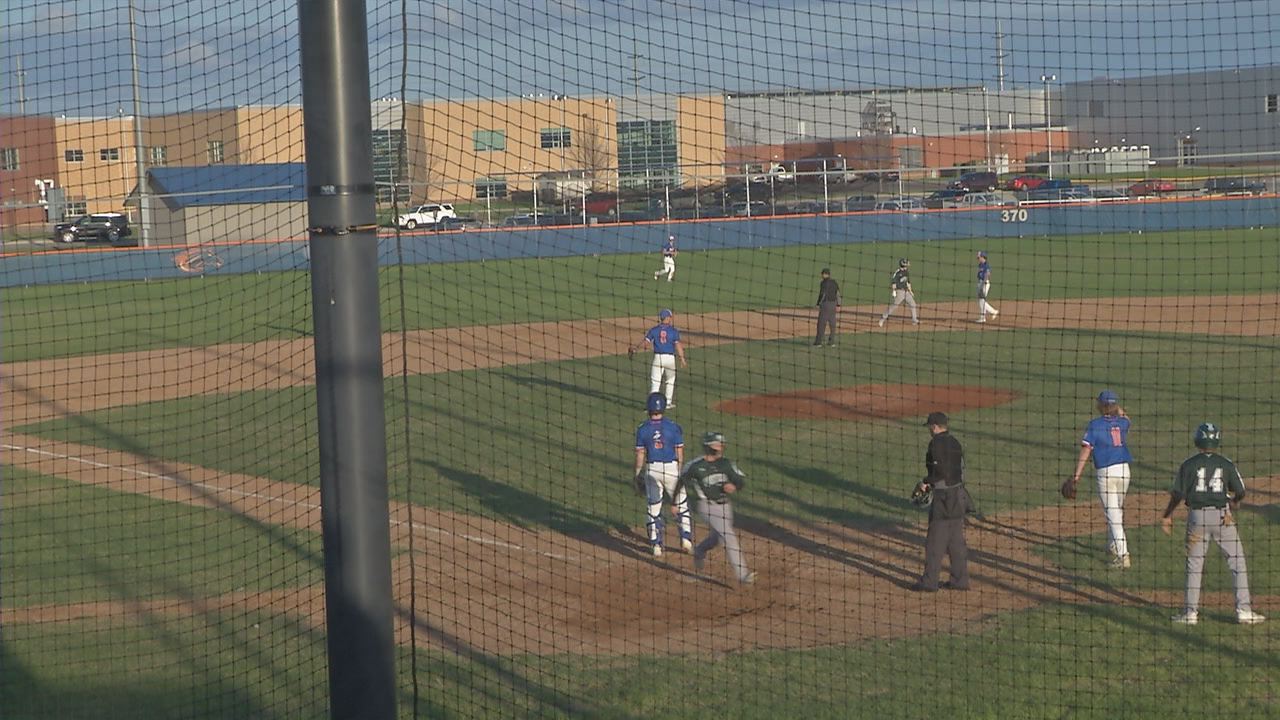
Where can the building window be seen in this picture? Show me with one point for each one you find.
(75, 209)
(8, 158)
(555, 138)
(489, 140)
(1273, 103)
(73, 155)
(216, 155)
(491, 187)
(647, 153)
(1097, 108)
(158, 155)
(109, 154)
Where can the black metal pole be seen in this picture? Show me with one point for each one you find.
(348, 350)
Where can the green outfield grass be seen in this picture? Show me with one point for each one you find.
(62, 320)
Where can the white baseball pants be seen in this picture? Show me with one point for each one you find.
(1113, 483)
(668, 268)
(985, 307)
(662, 375)
(661, 478)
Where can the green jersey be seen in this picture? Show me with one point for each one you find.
(706, 479)
(1208, 480)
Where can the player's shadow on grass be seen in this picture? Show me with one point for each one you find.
(868, 497)
(534, 381)
(515, 506)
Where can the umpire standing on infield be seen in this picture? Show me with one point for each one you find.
(944, 461)
(828, 306)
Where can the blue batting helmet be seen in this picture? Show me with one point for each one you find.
(656, 402)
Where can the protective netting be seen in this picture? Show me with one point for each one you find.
(552, 175)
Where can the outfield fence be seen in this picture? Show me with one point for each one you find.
(167, 545)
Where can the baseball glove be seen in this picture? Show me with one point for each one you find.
(1068, 489)
(922, 496)
(638, 482)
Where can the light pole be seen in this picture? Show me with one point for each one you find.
(564, 145)
(1187, 147)
(1048, 121)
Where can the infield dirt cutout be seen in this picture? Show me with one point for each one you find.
(867, 402)
(480, 585)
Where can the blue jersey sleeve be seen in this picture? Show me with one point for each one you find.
(640, 436)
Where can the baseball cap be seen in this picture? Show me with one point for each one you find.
(826, 271)
(982, 253)
(1107, 396)
(937, 418)
(671, 237)
(664, 313)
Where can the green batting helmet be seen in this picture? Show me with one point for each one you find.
(1208, 435)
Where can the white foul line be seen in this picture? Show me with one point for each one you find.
(413, 526)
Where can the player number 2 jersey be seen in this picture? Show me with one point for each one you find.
(706, 479)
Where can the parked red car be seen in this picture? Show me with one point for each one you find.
(1024, 182)
(1152, 187)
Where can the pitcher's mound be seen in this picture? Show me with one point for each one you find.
(868, 402)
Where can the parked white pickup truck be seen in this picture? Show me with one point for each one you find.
(429, 214)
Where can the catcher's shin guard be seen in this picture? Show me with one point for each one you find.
(655, 525)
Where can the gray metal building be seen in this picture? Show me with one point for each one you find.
(779, 118)
(1226, 116)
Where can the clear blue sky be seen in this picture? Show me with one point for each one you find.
(195, 53)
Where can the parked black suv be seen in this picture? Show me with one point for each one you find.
(110, 227)
(976, 182)
(1234, 186)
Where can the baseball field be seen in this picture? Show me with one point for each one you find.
(160, 542)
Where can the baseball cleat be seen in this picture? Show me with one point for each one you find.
(995, 314)
(686, 545)
(1190, 617)
(698, 562)
(1249, 617)
(657, 551)
(749, 578)
(1120, 562)
(881, 323)
(915, 322)
(980, 320)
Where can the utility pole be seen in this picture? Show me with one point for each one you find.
(22, 88)
(1048, 120)
(140, 161)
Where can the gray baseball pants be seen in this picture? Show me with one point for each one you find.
(903, 296)
(1207, 524)
(719, 518)
(827, 319)
(945, 537)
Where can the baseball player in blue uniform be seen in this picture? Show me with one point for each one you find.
(1107, 438)
(984, 287)
(664, 339)
(1212, 488)
(659, 455)
(669, 253)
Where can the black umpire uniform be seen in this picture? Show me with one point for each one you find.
(944, 461)
(828, 302)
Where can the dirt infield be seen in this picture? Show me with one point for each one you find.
(485, 586)
(867, 402)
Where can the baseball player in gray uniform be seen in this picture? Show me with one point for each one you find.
(1211, 487)
(712, 478)
(900, 283)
